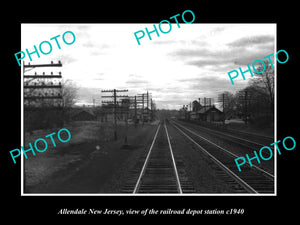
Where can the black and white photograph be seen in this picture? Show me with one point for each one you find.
(149, 109)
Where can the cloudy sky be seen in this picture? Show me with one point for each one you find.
(188, 63)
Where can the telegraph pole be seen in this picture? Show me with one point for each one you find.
(246, 107)
(151, 110)
(143, 99)
(147, 100)
(135, 112)
(114, 96)
(221, 98)
(115, 114)
(48, 86)
(43, 91)
(245, 98)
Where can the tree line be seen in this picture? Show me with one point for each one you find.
(254, 103)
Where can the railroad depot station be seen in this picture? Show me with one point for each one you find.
(207, 113)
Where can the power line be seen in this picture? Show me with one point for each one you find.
(47, 89)
(114, 103)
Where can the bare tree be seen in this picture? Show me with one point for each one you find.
(69, 93)
(265, 80)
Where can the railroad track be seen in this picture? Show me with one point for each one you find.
(261, 137)
(251, 179)
(240, 140)
(158, 172)
(268, 166)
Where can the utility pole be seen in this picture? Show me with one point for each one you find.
(115, 102)
(147, 100)
(43, 91)
(246, 106)
(151, 110)
(245, 98)
(205, 108)
(223, 100)
(115, 113)
(135, 112)
(143, 109)
(142, 102)
(48, 86)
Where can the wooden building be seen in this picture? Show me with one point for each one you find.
(210, 113)
(206, 113)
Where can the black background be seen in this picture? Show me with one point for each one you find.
(259, 208)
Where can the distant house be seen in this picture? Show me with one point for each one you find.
(196, 106)
(83, 115)
(210, 113)
(207, 113)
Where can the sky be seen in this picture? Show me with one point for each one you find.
(177, 68)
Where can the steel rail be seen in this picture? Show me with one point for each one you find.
(145, 163)
(269, 175)
(173, 161)
(232, 174)
(232, 136)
